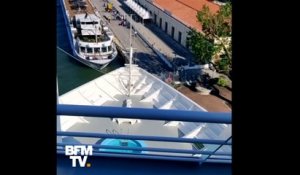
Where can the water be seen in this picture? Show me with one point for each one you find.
(71, 73)
(124, 143)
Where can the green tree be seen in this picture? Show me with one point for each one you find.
(216, 31)
(202, 47)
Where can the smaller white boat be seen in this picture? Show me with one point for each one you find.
(91, 40)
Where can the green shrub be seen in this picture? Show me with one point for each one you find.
(176, 86)
(224, 64)
(222, 81)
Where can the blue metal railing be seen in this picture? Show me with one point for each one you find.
(153, 114)
(151, 149)
(137, 137)
(142, 113)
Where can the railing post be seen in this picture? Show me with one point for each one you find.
(215, 150)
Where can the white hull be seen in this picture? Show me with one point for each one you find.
(92, 63)
(96, 64)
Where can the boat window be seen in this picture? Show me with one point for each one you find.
(82, 49)
(89, 50)
(92, 22)
(103, 49)
(109, 48)
(97, 50)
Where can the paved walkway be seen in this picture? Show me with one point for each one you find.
(169, 48)
(210, 102)
(143, 54)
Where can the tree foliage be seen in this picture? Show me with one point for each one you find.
(202, 47)
(222, 81)
(216, 29)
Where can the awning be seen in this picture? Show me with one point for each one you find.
(138, 9)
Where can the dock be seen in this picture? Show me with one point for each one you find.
(144, 55)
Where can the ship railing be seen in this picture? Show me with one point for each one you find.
(214, 154)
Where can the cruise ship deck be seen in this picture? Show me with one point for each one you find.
(173, 134)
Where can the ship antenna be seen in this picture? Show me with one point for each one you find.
(130, 57)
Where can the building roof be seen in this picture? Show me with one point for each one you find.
(186, 10)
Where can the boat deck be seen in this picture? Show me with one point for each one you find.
(89, 8)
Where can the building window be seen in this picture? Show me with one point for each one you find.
(187, 45)
(160, 21)
(166, 27)
(179, 37)
(155, 16)
(172, 32)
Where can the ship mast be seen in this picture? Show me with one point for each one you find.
(130, 57)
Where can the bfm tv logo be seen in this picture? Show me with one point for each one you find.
(83, 151)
